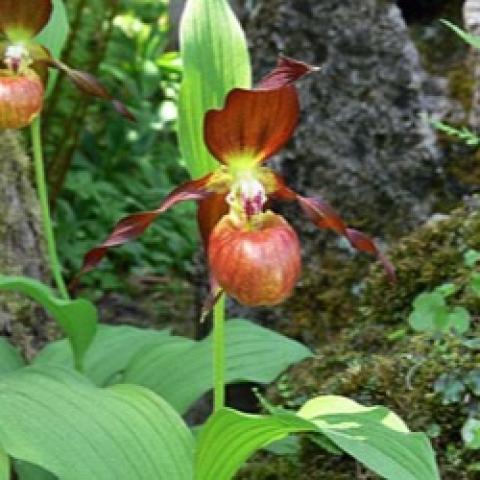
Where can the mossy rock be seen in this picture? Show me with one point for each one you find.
(377, 359)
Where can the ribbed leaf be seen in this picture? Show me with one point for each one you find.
(374, 436)
(77, 318)
(215, 60)
(27, 471)
(56, 419)
(182, 374)
(4, 465)
(109, 354)
(10, 358)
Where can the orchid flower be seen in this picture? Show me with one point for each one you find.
(253, 253)
(24, 64)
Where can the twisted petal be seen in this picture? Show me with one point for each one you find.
(23, 19)
(324, 216)
(134, 225)
(88, 84)
(287, 72)
(255, 124)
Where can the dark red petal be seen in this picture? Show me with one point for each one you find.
(286, 72)
(23, 19)
(134, 225)
(324, 216)
(364, 243)
(88, 84)
(210, 211)
(253, 123)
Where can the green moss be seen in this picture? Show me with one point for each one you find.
(364, 361)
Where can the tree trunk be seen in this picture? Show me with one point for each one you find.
(21, 251)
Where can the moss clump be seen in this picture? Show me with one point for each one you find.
(371, 362)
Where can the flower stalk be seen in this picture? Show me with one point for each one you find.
(219, 363)
(45, 209)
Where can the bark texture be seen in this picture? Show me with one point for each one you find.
(21, 251)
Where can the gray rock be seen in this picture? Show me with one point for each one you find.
(363, 142)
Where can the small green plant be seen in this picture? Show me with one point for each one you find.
(433, 311)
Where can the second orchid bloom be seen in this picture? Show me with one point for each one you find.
(253, 253)
(24, 64)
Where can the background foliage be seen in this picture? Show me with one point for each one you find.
(114, 167)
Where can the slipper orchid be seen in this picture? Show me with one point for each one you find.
(253, 253)
(24, 64)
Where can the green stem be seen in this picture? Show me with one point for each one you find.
(219, 354)
(45, 209)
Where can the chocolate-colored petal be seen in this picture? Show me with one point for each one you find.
(88, 84)
(22, 19)
(210, 211)
(253, 125)
(134, 225)
(286, 72)
(324, 216)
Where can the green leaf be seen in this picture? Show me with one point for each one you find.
(471, 257)
(215, 60)
(181, 374)
(77, 431)
(10, 358)
(459, 320)
(446, 289)
(471, 433)
(475, 283)
(4, 465)
(111, 351)
(77, 318)
(374, 436)
(54, 37)
(472, 380)
(27, 471)
(473, 40)
(450, 386)
(430, 313)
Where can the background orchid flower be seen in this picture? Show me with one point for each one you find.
(24, 64)
(253, 253)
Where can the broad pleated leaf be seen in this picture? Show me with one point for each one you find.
(27, 471)
(215, 60)
(77, 318)
(109, 354)
(374, 436)
(182, 374)
(10, 358)
(56, 419)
